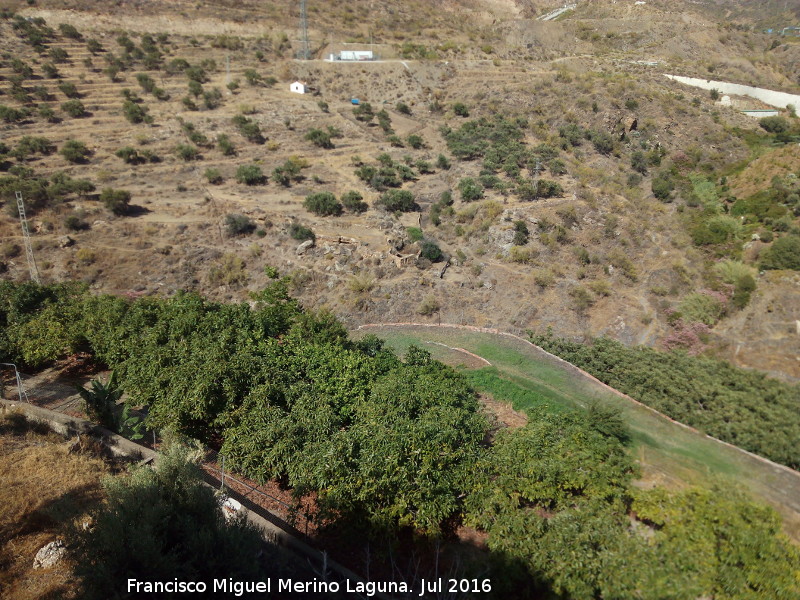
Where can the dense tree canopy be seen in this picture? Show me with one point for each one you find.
(387, 443)
(745, 408)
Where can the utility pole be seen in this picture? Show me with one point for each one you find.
(26, 234)
(306, 53)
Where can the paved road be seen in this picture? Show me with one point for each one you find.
(556, 13)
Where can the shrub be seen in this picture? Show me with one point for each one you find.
(50, 71)
(249, 129)
(74, 108)
(236, 224)
(601, 287)
(93, 46)
(634, 180)
(69, 31)
(716, 230)
(730, 271)
(639, 162)
(32, 145)
(323, 106)
(398, 200)
(428, 306)
(86, 256)
(225, 145)
(21, 68)
(415, 141)
(743, 287)
(470, 189)
(662, 186)
(197, 74)
(157, 501)
(187, 152)
(250, 175)
(702, 308)
(323, 204)
(520, 254)
(195, 88)
(252, 77)
(571, 134)
(68, 89)
(557, 166)
(130, 155)
(364, 112)
(212, 99)
(146, 82)
(442, 162)
(300, 233)
(75, 151)
(75, 222)
(414, 234)
(320, 138)
(521, 233)
(116, 201)
(12, 115)
(602, 141)
(776, 125)
(460, 109)
(361, 283)
(354, 202)
(136, 113)
(582, 298)
(784, 253)
(541, 188)
(213, 176)
(289, 171)
(431, 251)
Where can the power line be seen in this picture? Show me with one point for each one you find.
(26, 235)
(306, 53)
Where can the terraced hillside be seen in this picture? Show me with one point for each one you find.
(602, 255)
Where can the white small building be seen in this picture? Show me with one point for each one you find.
(299, 87)
(356, 55)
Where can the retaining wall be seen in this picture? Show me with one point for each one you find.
(771, 97)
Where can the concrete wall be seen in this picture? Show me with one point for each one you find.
(771, 97)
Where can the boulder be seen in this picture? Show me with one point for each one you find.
(65, 241)
(49, 555)
(303, 248)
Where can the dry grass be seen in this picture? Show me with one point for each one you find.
(47, 484)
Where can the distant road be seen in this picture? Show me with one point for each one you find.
(556, 13)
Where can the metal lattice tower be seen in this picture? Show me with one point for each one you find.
(26, 235)
(306, 53)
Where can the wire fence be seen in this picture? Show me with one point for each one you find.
(295, 514)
